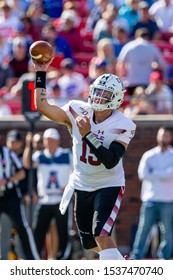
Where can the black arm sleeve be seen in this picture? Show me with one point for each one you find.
(109, 157)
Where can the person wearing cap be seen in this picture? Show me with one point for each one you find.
(72, 84)
(54, 166)
(68, 28)
(101, 134)
(97, 67)
(8, 21)
(159, 94)
(11, 174)
(19, 59)
(145, 21)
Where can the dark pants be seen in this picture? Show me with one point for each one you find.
(13, 207)
(42, 219)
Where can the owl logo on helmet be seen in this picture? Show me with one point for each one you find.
(107, 92)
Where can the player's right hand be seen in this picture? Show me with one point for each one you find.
(41, 67)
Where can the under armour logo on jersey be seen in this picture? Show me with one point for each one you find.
(101, 132)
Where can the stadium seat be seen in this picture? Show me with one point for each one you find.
(168, 58)
(15, 106)
(57, 60)
(83, 57)
(163, 46)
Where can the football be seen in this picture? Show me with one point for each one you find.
(41, 51)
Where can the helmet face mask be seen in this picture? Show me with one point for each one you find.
(106, 93)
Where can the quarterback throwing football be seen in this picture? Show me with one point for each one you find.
(101, 134)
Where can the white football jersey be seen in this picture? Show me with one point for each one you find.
(89, 173)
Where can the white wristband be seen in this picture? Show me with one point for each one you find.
(93, 140)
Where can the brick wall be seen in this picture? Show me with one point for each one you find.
(143, 140)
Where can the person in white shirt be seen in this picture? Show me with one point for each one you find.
(101, 134)
(156, 173)
(72, 84)
(162, 12)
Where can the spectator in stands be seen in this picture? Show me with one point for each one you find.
(16, 9)
(105, 50)
(136, 59)
(120, 38)
(96, 13)
(138, 104)
(159, 94)
(145, 21)
(29, 28)
(20, 58)
(129, 11)
(21, 32)
(54, 165)
(4, 51)
(6, 74)
(79, 6)
(8, 22)
(36, 13)
(71, 83)
(53, 8)
(97, 67)
(162, 12)
(61, 45)
(68, 29)
(156, 174)
(104, 26)
(55, 96)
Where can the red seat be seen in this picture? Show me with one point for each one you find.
(87, 35)
(82, 69)
(168, 58)
(163, 46)
(166, 35)
(57, 60)
(15, 106)
(83, 57)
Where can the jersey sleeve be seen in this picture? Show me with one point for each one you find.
(127, 133)
(66, 108)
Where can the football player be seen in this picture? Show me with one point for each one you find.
(101, 134)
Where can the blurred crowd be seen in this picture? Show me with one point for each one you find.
(130, 38)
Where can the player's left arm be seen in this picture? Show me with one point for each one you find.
(109, 157)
